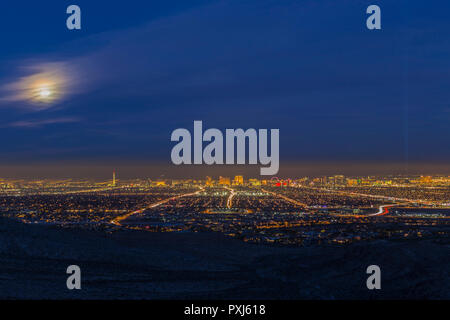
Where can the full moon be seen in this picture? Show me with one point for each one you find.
(44, 93)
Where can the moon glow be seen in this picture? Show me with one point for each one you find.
(44, 92)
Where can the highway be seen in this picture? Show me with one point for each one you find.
(384, 209)
(230, 198)
(298, 203)
(116, 221)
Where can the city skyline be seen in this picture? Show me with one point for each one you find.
(100, 170)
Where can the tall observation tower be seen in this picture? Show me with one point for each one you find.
(114, 179)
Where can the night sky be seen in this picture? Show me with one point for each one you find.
(339, 93)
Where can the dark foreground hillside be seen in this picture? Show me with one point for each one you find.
(136, 265)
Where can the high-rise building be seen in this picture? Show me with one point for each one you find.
(339, 180)
(224, 181)
(114, 179)
(425, 180)
(238, 180)
(254, 182)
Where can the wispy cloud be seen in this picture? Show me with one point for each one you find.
(41, 85)
(40, 123)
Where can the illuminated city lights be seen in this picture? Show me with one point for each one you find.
(301, 211)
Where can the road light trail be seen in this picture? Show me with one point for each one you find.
(298, 203)
(375, 196)
(230, 198)
(383, 210)
(97, 190)
(116, 221)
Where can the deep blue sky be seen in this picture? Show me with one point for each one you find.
(140, 69)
